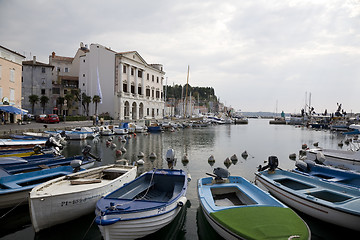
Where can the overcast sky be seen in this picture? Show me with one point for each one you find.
(256, 54)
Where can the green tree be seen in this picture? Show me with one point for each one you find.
(96, 99)
(60, 102)
(86, 100)
(33, 99)
(69, 101)
(43, 101)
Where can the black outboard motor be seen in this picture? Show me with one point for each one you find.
(219, 173)
(86, 153)
(273, 163)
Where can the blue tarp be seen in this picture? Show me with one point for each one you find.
(12, 109)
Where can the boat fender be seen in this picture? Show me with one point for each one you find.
(182, 201)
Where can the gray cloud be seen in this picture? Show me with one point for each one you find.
(254, 53)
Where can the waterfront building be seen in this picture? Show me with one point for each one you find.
(36, 80)
(10, 84)
(130, 88)
(65, 81)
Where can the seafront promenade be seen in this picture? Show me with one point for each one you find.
(14, 128)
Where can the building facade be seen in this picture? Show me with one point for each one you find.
(138, 88)
(130, 88)
(10, 82)
(36, 80)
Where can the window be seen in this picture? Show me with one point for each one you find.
(157, 94)
(157, 79)
(43, 81)
(152, 77)
(132, 72)
(43, 70)
(12, 95)
(42, 91)
(58, 69)
(147, 111)
(157, 112)
(12, 75)
(132, 88)
(83, 74)
(124, 69)
(148, 92)
(124, 87)
(139, 90)
(140, 74)
(148, 76)
(56, 90)
(152, 93)
(84, 60)
(66, 69)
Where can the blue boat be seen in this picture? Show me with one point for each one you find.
(154, 127)
(143, 206)
(237, 209)
(14, 189)
(328, 173)
(329, 202)
(14, 165)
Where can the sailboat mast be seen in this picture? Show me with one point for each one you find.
(187, 84)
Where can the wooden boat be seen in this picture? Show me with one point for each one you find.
(332, 203)
(237, 209)
(14, 189)
(69, 197)
(20, 143)
(328, 173)
(143, 206)
(14, 165)
(345, 159)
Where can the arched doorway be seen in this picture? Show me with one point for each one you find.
(141, 111)
(134, 115)
(126, 110)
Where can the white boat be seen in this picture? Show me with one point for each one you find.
(344, 159)
(122, 129)
(326, 201)
(105, 131)
(69, 197)
(143, 206)
(86, 130)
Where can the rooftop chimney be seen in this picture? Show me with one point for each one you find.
(34, 59)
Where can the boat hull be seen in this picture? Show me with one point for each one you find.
(69, 201)
(314, 206)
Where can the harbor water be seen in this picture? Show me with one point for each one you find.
(258, 138)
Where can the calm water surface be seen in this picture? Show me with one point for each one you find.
(258, 138)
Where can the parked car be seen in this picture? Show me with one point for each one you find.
(40, 118)
(51, 118)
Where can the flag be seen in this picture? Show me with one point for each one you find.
(99, 87)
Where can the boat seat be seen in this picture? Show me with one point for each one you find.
(177, 189)
(136, 190)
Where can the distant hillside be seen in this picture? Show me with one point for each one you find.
(262, 114)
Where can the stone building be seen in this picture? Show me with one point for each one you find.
(36, 80)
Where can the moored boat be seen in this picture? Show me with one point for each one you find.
(143, 206)
(14, 189)
(237, 209)
(20, 143)
(72, 196)
(332, 203)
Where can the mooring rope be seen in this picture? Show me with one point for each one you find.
(13, 208)
(92, 222)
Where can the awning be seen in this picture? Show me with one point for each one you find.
(12, 109)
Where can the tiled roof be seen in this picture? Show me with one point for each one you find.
(65, 59)
(36, 64)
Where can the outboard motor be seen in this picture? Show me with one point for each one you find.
(86, 153)
(37, 149)
(320, 158)
(219, 174)
(302, 166)
(273, 163)
(170, 158)
(76, 164)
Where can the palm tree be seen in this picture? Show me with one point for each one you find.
(33, 99)
(96, 99)
(69, 101)
(43, 101)
(60, 103)
(86, 100)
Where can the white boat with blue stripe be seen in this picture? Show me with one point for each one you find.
(143, 206)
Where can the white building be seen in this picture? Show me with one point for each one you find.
(130, 88)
